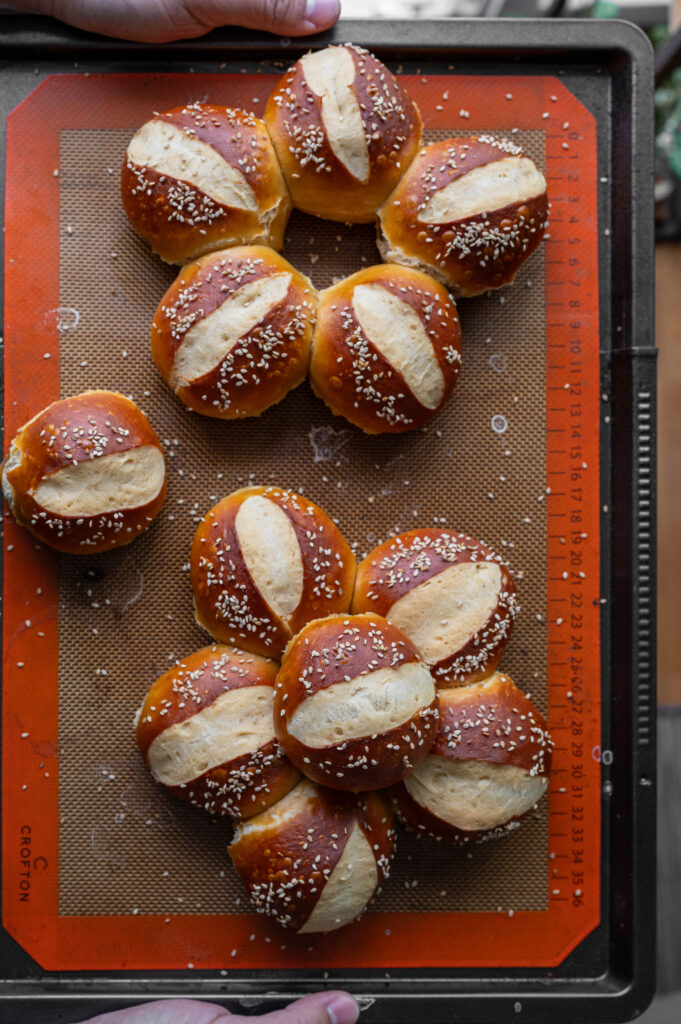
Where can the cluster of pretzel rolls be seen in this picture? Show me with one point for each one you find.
(336, 694)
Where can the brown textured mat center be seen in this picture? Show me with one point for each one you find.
(125, 846)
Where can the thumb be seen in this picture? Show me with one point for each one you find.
(320, 1008)
(284, 17)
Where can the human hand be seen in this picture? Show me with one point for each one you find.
(161, 21)
(320, 1008)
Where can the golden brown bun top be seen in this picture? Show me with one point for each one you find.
(78, 429)
(473, 234)
(395, 567)
(317, 561)
(202, 286)
(493, 721)
(442, 163)
(387, 348)
(287, 854)
(227, 129)
(341, 647)
(381, 125)
(194, 683)
(239, 137)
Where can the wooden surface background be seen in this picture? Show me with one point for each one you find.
(668, 330)
(667, 1007)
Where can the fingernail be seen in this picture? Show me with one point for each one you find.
(342, 1010)
(322, 12)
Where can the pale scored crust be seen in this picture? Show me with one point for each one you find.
(109, 483)
(330, 74)
(474, 795)
(441, 614)
(376, 702)
(397, 331)
(348, 889)
(237, 722)
(289, 807)
(208, 341)
(484, 189)
(169, 150)
(271, 552)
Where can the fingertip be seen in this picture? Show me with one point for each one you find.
(319, 15)
(342, 1008)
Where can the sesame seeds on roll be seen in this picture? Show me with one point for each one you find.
(265, 561)
(386, 349)
(355, 706)
(232, 334)
(86, 474)
(469, 211)
(201, 177)
(205, 731)
(313, 861)
(449, 593)
(489, 765)
(344, 130)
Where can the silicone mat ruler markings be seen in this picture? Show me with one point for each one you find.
(572, 409)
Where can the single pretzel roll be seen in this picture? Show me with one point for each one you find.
(314, 861)
(386, 349)
(489, 766)
(201, 177)
(344, 130)
(205, 732)
(449, 593)
(355, 706)
(264, 561)
(232, 334)
(468, 211)
(86, 474)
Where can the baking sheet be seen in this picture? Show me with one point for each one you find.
(76, 939)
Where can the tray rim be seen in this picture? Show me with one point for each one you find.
(614, 996)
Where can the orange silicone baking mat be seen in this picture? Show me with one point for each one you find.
(102, 870)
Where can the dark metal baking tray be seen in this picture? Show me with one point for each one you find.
(610, 976)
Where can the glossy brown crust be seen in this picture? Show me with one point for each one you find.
(400, 564)
(351, 375)
(334, 650)
(470, 255)
(245, 785)
(179, 220)
(91, 425)
(194, 683)
(220, 579)
(285, 867)
(319, 183)
(266, 363)
(492, 721)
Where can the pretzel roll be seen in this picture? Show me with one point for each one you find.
(344, 130)
(468, 211)
(201, 177)
(450, 594)
(205, 732)
(86, 474)
(232, 334)
(355, 707)
(314, 861)
(386, 350)
(264, 562)
(489, 766)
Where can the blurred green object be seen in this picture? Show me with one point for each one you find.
(668, 121)
(604, 9)
(667, 146)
